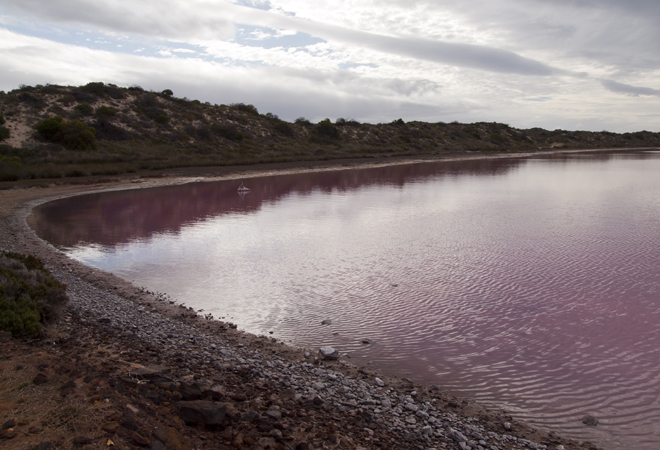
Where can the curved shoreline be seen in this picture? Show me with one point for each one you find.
(95, 293)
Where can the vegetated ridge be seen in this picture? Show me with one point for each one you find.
(101, 129)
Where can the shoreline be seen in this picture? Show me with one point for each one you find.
(113, 313)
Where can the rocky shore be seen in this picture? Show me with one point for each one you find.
(127, 368)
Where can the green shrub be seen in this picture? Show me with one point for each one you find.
(100, 89)
(227, 131)
(4, 133)
(162, 119)
(284, 128)
(29, 295)
(105, 111)
(2, 119)
(325, 131)
(85, 109)
(75, 135)
(250, 109)
(67, 99)
(10, 161)
(19, 317)
(167, 93)
(341, 122)
(51, 128)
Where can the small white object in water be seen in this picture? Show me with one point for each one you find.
(242, 188)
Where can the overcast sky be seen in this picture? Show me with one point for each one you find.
(571, 64)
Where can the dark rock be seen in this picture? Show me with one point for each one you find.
(288, 394)
(240, 397)
(139, 439)
(160, 433)
(81, 440)
(326, 322)
(45, 446)
(274, 414)
(589, 420)
(11, 423)
(157, 445)
(266, 443)
(366, 341)
(302, 446)
(202, 412)
(41, 378)
(67, 388)
(9, 433)
(190, 392)
(249, 416)
(129, 421)
(110, 427)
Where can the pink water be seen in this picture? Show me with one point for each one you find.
(529, 284)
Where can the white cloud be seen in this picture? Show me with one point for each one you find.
(561, 63)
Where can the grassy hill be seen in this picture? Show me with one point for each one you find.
(102, 129)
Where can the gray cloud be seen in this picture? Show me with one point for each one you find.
(147, 18)
(627, 89)
(182, 20)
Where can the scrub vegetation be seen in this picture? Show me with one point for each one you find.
(101, 129)
(29, 296)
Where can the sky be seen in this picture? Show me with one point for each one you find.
(571, 64)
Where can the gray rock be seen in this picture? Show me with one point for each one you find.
(427, 431)
(457, 435)
(379, 382)
(328, 353)
(202, 412)
(273, 414)
(249, 416)
(589, 420)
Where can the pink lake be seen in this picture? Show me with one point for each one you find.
(530, 284)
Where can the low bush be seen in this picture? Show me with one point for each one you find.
(325, 131)
(4, 133)
(341, 122)
(284, 128)
(74, 135)
(250, 109)
(227, 131)
(29, 295)
(67, 99)
(162, 119)
(105, 111)
(111, 132)
(85, 109)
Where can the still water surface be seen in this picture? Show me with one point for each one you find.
(529, 284)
